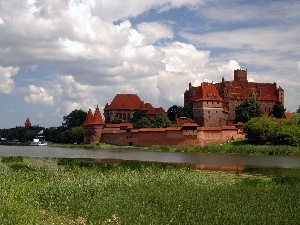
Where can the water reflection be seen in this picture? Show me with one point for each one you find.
(223, 162)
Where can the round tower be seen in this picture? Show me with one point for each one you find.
(96, 126)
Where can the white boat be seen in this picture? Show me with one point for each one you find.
(37, 142)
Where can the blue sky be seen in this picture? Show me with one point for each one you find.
(57, 56)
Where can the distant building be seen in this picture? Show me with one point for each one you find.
(214, 103)
(124, 105)
(27, 123)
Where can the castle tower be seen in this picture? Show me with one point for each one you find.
(280, 95)
(240, 75)
(93, 126)
(27, 123)
(86, 126)
(97, 126)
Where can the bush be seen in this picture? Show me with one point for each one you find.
(266, 130)
(260, 130)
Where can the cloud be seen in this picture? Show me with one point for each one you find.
(250, 12)
(177, 54)
(39, 96)
(6, 82)
(229, 68)
(154, 31)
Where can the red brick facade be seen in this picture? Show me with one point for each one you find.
(214, 103)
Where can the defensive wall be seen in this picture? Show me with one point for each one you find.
(173, 136)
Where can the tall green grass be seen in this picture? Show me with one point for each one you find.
(78, 192)
(235, 147)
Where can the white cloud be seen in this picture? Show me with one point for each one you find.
(181, 57)
(154, 31)
(6, 82)
(38, 95)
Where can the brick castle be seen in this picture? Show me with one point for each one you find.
(213, 107)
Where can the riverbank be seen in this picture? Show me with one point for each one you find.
(36, 191)
(240, 146)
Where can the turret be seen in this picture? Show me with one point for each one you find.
(27, 123)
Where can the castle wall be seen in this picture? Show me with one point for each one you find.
(172, 137)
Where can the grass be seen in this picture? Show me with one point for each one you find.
(72, 191)
(240, 146)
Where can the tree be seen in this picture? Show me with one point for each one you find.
(116, 120)
(144, 122)
(278, 110)
(137, 115)
(260, 130)
(298, 110)
(74, 119)
(179, 111)
(248, 109)
(161, 120)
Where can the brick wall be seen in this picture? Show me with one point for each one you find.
(176, 137)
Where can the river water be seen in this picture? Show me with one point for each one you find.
(210, 161)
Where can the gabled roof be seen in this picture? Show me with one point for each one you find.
(207, 92)
(132, 102)
(153, 111)
(126, 101)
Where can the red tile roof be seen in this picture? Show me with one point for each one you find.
(126, 101)
(89, 118)
(242, 90)
(97, 117)
(118, 125)
(207, 92)
(132, 102)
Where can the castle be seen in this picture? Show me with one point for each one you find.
(214, 103)
(213, 107)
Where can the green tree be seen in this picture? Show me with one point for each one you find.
(260, 130)
(161, 120)
(298, 110)
(278, 110)
(137, 115)
(116, 120)
(248, 109)
(287, 132)
(74, 119)
(144, 122)
(178, 111)
(76, 135)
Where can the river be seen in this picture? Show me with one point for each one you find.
(210, 161)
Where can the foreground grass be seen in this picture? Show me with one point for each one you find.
(77, 192)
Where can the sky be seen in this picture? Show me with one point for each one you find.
(60, 55)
